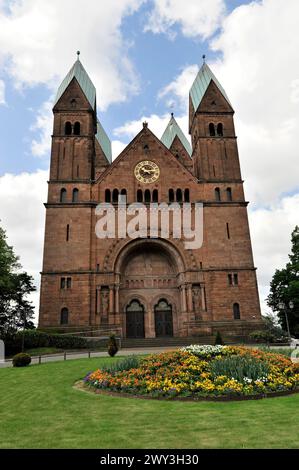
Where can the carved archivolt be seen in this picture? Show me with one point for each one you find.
(120, 248)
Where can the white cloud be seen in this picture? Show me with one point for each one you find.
(195, 17)
(51, 33)
(41, 146)
(39, 41)
(2, 92)
(22, 216)
(271, 230)
(261, 77)
(177, 91)
(117, 148)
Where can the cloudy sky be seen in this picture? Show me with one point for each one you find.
(142, 56)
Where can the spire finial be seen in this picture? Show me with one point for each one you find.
(204, 59)
(78, 55)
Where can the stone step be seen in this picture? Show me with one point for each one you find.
(165, 342)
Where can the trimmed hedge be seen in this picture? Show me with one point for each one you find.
(38, 339)
(21, 360)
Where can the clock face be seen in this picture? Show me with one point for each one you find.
(147, 172)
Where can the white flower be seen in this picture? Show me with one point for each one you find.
(204, 350)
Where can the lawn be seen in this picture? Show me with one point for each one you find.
(40, 409)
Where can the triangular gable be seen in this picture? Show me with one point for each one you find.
(145, 131)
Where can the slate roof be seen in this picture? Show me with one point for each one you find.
(104, 141)
(172, 130)
(78, 71)
(201, 83)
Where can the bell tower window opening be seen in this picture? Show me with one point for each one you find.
(77, 128)
(220, 129)
(212, 129)
(68, 128)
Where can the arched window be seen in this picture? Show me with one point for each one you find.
(77, 128)
(171, 195)
(64, 316)
(107, 195)
(179, 195)
(217, 194)
(115, 195)
(229, 194)
(155, 195)
(63, 195)
(236, 310)
(187, 195)
(220, 129)
(68, 128)
(147, 196)
(75, 195)
(212, 129)
(139, 195)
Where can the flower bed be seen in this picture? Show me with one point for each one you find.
(199, 372)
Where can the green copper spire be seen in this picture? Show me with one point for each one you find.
(88, 88)
(104, 141)
(201, 83)
(172, 130)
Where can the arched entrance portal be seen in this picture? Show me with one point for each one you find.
(151, 271)
(135, 320)
(163, 318)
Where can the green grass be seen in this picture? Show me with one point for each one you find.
(39, 408)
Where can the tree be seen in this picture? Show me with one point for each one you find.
(284, 288)
(15, 310)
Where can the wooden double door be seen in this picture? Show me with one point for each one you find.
(163, 319)
(135, 320)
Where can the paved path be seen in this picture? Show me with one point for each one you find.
(85, 355)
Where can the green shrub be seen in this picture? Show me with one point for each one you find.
(21, 360)
(128, 363)
(112, 346)
(218, 339)
(262, 336)
(38, 339)
(238, 367)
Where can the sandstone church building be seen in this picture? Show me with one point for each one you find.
(147, 287)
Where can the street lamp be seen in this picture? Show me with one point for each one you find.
(283, 307)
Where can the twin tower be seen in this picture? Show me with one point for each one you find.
(151, 288)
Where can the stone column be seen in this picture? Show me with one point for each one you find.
(150, 324)
(111, 299)
(98, 295)
(203, 297)
(111, 320)
(190, 303)
(183, 298)
(116, 306)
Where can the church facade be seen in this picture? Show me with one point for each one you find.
(147, 287)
